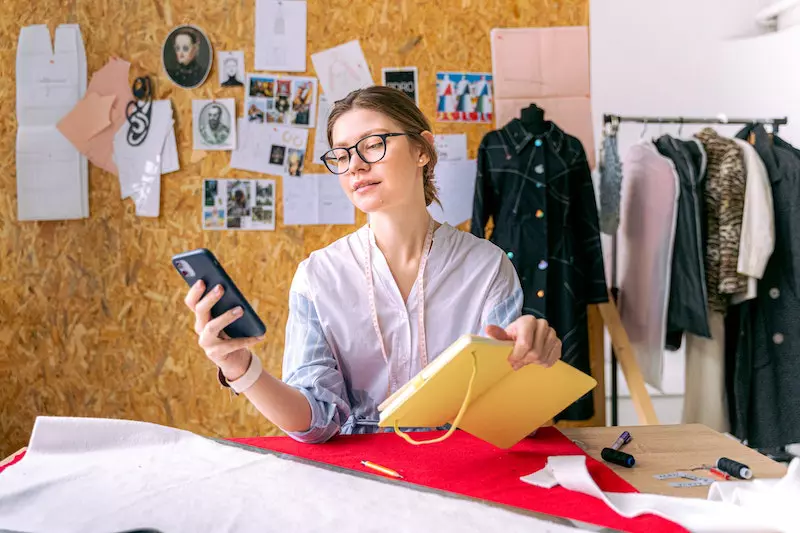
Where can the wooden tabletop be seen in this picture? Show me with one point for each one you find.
(665, 449)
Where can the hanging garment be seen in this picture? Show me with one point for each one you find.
(610, 184)
(704, 397)
(758, 223)
(688, 298)
(648, 213)
(766, 373)
(538, 191)
(724, 199)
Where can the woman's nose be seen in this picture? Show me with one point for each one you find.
(356, 163)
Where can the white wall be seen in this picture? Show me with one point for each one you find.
(682, 58)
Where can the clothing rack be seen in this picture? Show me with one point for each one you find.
(614, 121)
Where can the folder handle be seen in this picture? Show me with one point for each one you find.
(459, 416)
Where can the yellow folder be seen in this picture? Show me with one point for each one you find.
(505, 405)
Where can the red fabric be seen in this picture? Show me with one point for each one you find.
(14, 460)
(466, 465)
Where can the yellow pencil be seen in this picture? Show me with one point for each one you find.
(381, 469)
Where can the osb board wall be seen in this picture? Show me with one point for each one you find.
(91, 315)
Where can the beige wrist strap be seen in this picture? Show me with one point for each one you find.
(249, 378)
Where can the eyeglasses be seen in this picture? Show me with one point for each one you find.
(370, 149)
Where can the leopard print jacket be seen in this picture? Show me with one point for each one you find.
(724, 202)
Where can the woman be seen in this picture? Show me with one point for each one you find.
(362, 318)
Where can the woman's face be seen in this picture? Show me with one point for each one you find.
(395, 180)
(185, 50)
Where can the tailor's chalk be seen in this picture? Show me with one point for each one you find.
(734, 468)
(617, 457)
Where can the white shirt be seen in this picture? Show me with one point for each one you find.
(333, 354)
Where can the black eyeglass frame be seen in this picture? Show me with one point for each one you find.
(383, 137)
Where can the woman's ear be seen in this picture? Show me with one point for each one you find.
(423, 156)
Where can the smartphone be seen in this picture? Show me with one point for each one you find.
(201, 264)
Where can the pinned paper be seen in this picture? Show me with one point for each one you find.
(316, 199)
(239, 204)
(288, 100)
(52, 175)
(451, 146)
(106, 99)
(281, 27)
(553, 73)
(321, 133)
(456, 183)
(270, 149)
(342, 69)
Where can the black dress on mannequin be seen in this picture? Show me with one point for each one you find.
(533, 119)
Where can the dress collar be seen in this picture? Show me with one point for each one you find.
(519, 136)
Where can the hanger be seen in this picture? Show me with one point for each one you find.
(680, 127)
(644, 130)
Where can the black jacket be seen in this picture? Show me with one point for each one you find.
(688, 298)
(538, 190)
(766, 352)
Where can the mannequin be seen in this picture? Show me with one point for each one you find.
(533, 119)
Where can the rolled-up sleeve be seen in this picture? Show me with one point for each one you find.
(504, 303)
(310, 367)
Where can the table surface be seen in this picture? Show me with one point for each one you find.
(664, 449)
(669, 448)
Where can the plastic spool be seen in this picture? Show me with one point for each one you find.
(734, 468)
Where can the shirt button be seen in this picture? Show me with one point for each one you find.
(542, 264)
(774, 292)
(777, 338)
(539, 213)
(539, 185)
(539, 169)
(510, 255)
(538, 142)
(540, 293)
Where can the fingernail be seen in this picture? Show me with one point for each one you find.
(218, 288)
(237, 311)
(261, 338)
(198, 283)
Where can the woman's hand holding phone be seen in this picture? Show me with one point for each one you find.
(232, 356)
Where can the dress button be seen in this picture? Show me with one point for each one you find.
(774, 292)
(540, 293)
(539, 213)
(539, 169)
(510, 255)
(538, 142)
(542, 264)
(539, 185)
(777, 338)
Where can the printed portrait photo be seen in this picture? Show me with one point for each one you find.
(187, 56)
(264, 194)
(277, 154)
(294, 162)
(214, 124)
(262, 215)
(231, 68)
(238, 200)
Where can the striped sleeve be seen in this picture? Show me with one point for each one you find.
(504, 303)
(310, 367)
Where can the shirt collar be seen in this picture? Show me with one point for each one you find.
(519, 136)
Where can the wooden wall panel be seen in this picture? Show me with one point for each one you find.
(91, 315)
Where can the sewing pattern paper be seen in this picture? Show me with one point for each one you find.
(464, 97)
(553, 73)
(342, 69)
(238, 204)
(289, 100)
(316, 199)
(52, 175)
(281, 28)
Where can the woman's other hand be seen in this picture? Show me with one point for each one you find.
(534, 341)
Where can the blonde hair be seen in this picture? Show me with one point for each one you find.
(397, 106)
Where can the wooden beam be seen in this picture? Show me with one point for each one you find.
(627, 361)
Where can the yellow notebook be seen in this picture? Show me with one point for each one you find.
(504, 406)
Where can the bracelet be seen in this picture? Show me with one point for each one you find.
(247, 380)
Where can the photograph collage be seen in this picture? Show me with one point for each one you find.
(289, 100)
(238, 204)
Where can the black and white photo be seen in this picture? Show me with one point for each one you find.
(231, 68)
(214, 124)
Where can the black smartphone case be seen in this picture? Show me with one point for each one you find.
(204, 266)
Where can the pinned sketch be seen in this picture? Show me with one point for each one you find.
(451, 146)
(238, 204)
(321, 133)
(342, 69)
(316, 199)
(214, 124)
(464, 97)
(231, 68)
(456, 182)
(281, 28)
(270, 149)
(403, 79)
(276, 99)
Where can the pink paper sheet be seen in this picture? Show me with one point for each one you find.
(80, 125)
(548, 67)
